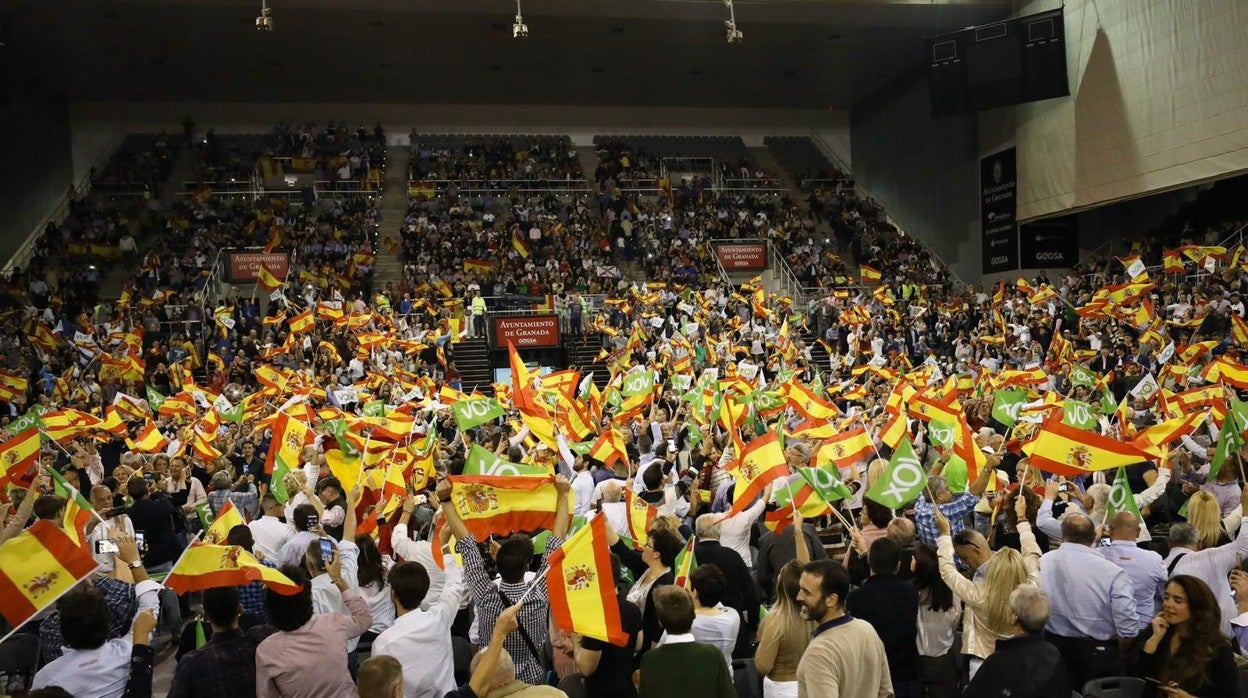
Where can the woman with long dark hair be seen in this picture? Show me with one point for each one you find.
(1184, 652)
(371, 575)
(940, 612)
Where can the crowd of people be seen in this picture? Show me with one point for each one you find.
(492, 162)
(1011, 569)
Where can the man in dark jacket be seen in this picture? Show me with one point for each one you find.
(891, 605)
(1024, 666)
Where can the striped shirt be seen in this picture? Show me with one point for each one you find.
(489, 604)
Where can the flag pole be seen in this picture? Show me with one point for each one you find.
(95, 513)
(181, 555)
(533, 584)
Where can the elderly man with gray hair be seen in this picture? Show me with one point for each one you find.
(1024, 665)
(954, 507)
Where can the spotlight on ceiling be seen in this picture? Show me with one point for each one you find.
(519, 30)
(264, 22)
(734, 34)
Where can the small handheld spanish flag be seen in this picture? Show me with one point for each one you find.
(868, 273)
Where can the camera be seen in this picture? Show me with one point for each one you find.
(519, 30)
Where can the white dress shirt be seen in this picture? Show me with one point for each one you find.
(109, 528)
(734, 531)
(1211, 566)
(421, 641)
(326, 598)
(583, 488)
(97, 673)
(270, 534)
(419, 551)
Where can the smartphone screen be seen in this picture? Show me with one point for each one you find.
(105, 547)
(327, 549)
(246, 469)
(313, 521)
(139, 540)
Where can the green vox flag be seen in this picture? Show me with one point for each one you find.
(1006, 404)
(902, 480)
(476, 411)
(154, 400)
(1078, 414)
(481, 462)
(1120, 497)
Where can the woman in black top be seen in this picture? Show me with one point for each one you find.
(1184, 652)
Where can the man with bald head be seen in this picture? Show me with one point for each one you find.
(1145, 567)
(613, 506)
(972, 548)
(1093, 603)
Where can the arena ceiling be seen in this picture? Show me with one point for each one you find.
(796, 53)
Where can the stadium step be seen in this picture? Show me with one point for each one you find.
(393, 208)
(472, 358)
(584, 355)
(587, 155)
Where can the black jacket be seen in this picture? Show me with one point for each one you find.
(741, 593)
(1021, 667)
(891, 605)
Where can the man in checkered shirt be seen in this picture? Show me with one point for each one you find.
(512, 559)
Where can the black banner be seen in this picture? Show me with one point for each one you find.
(1050, 243)
(998, 208)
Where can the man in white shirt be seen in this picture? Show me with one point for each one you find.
(108, 529)
(582, 487)
(92, 666)
(269, 531)
(419, 551)
(421, 640)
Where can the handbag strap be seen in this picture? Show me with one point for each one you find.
(524, 634)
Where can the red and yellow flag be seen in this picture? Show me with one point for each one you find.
(36, 568)
(502, 505)
(303, 322)
(609, 447)
(149, 440)
(204, 566)
(640, 515)
(868, 273)
(581, 587)
(19, 454)
(227, 518)
(761, 463)
(267, 280)
(1159, 434)
(519, 244)
(480, 266)
(810, 405)
(1065, 450)
(844, 449)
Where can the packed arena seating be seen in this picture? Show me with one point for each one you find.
(494, 162)
(230, 157)
(913, 361)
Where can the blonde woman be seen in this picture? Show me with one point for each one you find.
(1205, 513)
(987, 616)
(784, 633)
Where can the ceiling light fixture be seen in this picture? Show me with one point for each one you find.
(734, 34)
(519, 30)
(264, 22)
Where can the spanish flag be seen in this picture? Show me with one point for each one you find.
(204, 566)
(1065, 450)
(1172, 262)
(686, 563)
(303, 322)
(480, 266)
(1239, 330)
(148, 441)
(844, 449)
(609, 447)
(519, 244)
(810, 405)
(1159, 434)
(37, 567)
(1231, 372)
(502, 505)
(640, 515)
(868, 273)
(762, 462)
(19, 454)
(442, 287)
(581, 587)
(267, 280)
(226, 519)
(895, 429)
(78, 510)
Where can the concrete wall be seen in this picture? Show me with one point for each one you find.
(925, 172)
(38, 167)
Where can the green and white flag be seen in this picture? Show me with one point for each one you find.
(374, 408)
(1120, 496)
(942, 434)
(28, 420)
(154, 400)
(1078, 414)
(1082, 376)
(476, 411)
(1006, 404)
(902, 480)
(206, 517)
(1230, 441)
(481, 462)
(826, 484)
(637, 383)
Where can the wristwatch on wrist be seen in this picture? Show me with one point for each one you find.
(136, 563)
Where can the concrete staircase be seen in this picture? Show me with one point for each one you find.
(587, 155)
(472, 358)
(583, 354)
(393, 206)
(115, 281)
